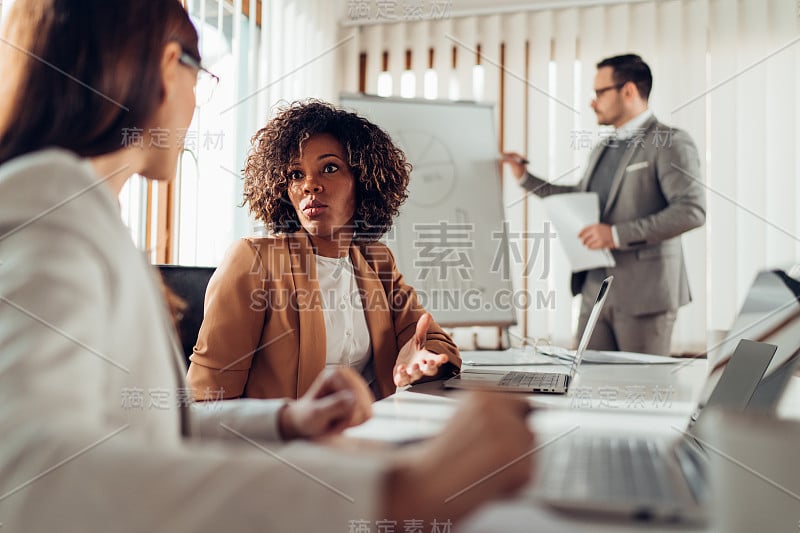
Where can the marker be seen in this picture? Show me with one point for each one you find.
(522, 161)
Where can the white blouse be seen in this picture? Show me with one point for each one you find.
(347, 336)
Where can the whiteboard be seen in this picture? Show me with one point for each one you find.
(449, 239)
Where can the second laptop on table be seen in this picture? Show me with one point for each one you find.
(522, 381)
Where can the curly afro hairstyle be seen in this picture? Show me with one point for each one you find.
(379, 168)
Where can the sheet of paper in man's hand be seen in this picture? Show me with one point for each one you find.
(570, 213)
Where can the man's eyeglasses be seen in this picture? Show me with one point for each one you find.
(206, 80)
(599, 92)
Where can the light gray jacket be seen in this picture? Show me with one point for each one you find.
(656, 195)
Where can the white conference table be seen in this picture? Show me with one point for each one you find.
(650, 399)
(643, 397)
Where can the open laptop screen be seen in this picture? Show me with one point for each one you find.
(770, 313)
(591, 323)
(742, 374)
(739, 380)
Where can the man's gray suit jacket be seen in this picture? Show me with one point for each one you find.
(656, 195)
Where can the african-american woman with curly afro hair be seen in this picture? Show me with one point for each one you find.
(320, 290)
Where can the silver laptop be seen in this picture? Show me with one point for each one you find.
(666, 479)
(644, 477)
(530, 382)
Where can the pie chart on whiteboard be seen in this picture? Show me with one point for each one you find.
(433, 177)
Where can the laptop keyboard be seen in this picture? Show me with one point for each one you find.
(609, 468)
(531, 380)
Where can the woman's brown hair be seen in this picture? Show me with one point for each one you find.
(84, 75)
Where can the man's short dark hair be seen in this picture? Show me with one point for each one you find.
(630, 67)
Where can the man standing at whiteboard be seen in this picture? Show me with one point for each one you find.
(647, 178)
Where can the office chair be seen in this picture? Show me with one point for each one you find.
(189, 283)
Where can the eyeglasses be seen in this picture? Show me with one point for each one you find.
(207, 81)
(599, 92)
